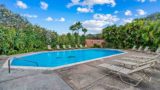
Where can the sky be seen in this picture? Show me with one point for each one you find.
(59, 15)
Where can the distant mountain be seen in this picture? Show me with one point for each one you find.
(154, 16)
(10, 19)
(94, 36)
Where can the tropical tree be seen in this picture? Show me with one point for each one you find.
(72, 28)
(143, 31)
(17, 35)
(78, 26)
(75, 28)
(84, 30)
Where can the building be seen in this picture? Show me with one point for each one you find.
(92, 42)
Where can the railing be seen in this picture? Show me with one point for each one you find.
(9, 63)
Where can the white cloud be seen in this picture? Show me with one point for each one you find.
(110, 19)
(128, 20)
(62, 19)
(49, 19)
(94, 25)
(99, 21)
(141, 12)
(152, 0)
(142, 1)
(30, 16)
(91, 3)
(21, 5)
(75, 1)
(115, 12)
(88, 5)
(44, 5)
(128, 13)
(84, 10)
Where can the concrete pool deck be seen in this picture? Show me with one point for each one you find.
(84, 76)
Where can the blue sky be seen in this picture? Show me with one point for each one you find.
(58, 15)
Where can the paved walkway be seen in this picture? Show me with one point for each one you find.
(31, 80)
(80, 77)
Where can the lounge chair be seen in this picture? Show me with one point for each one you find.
(140, 48)
(121, 71)
(134, 59)
(64, 46)
(146, 56)
(141, 62)
(85, 46)
(49, 47)
(76, 46)
(57, 47)
(69, 46)
(158, 50)
(146, 49)
(81, 46)
(134, 47)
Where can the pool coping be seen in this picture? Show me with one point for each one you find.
(5, 65)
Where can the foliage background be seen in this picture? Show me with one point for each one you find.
(141, 32)
(18, 35)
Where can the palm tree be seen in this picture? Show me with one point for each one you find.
(84, 30)
(78, 26)
(73, 28)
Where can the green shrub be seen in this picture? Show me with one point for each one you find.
(96, 46)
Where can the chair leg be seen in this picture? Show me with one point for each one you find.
(138, 82)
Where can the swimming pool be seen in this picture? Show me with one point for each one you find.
(56, 59)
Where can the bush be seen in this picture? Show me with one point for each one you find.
(96, 46)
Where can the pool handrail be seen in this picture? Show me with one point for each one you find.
(9, 63)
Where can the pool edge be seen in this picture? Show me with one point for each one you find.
(5, 65)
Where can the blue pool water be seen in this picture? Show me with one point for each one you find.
(61, 58)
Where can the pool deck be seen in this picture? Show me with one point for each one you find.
(84, 76)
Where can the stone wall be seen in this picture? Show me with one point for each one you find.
(91, 42)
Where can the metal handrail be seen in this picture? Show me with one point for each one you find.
(9, 63)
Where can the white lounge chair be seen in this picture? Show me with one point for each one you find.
(134, 59)
(57, 47)
(49, 47)
(134, 47)
(158, 50)
(85, 46)
(64, 46)
(121, 71)
(146, 56)
(125, 62)
(76, 46)
(81, 46)
(139, 57)
(154, 59)
(140, 48)
(146, 49)
(69, 46)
